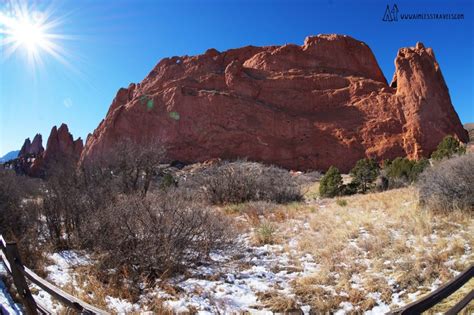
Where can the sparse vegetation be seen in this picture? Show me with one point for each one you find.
(159, 234)
(361, 250)
(331, 183)
(341, 202)
(278, 302)
(449, 147)
(167, 181)
(135, 164)
(20, 212)
(449, 185)
(379, 245)
(349, 189)
(16, 198)
(265, 233)
(364, 174)
(402, 171)
(237, 182)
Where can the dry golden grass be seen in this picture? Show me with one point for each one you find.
(92, 290)
(312, 191)
(264, 218)
(386, 241)
(277, 302)
(367, 249)
(316, 295)
(265, 233)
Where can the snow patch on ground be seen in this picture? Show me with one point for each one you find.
(380, 308)
(121, 306)
(46, 300)
(233, 281)
(60, 271)
(7, 305)
(346, 307)
(41, 297)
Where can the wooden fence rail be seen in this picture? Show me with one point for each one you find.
(441, 293)
(11, 259)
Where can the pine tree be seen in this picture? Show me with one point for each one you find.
(447, 148)
(364, 173)
(330, 183)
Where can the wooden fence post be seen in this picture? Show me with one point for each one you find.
(16, 266)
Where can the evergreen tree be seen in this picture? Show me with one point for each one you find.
(447, 148)
(330, 183)
(364, 173)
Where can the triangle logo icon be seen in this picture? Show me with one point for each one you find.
(387, 17)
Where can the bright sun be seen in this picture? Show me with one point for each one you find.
(28, 34)
(23, 29)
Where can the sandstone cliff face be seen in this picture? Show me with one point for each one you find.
(425, 101)
(301, 107)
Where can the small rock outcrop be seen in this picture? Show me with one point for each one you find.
(61, 151)
(32, 148)
(324, 103)
(30, 153)
(62, 147)
(26, 148)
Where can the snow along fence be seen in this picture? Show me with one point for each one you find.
(11, 259)
(441, 293)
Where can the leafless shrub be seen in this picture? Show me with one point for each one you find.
(17, 203)
(73, 196)
(308, 178)
(394, 183)
(259, 208)
(240, 181)
(158, 234)
(135, 164)
(19, 212)
(62, 205)
(449, 185)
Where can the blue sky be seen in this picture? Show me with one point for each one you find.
(113, 43)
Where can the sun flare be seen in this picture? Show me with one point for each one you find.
(34, 33)
(28, 34)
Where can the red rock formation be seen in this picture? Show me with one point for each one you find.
(61, 150)
(30, 153)
(37, 144)
(61, 147)
(32, 148)
(26, 148)
(301, 107)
